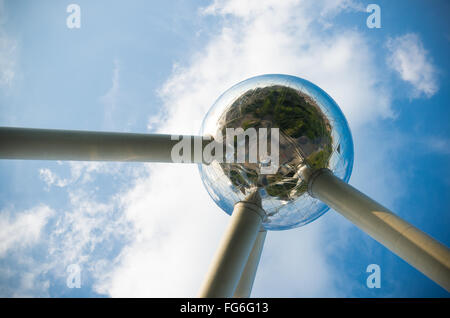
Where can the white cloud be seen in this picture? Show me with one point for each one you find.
(153, 122)
(283, 39)
(20, 234)
(331, 8)
(178, 226)
(294, 264)
(80, 172)
(84, 228)
(23, 230)
(51, 179)
(411, 61)
(88, 231)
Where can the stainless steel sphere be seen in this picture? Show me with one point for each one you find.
(312, 132)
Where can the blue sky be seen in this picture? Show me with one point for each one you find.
(141, 66)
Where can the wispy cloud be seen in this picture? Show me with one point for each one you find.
(20, 235)
(8, 52)
(51, 178)
(8, 59)
(38, 244)
(110, 99)
(22, 230)
(412, 62)
(80, 172)
(436, 144)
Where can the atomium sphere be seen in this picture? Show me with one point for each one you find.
(312, 132)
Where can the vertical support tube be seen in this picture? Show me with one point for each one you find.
(244, 287)
(234, 249)
(411, 244)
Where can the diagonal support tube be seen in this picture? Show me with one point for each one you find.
(50, 144)
(411, 244)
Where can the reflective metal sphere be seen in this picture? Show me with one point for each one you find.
(313, 132)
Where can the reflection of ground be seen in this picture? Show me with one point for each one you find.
(305, 137)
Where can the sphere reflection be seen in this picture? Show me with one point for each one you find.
(313, 132)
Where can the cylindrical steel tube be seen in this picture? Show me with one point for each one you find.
(49, 144)
(234, 250)
(245, 285)
(411, 244)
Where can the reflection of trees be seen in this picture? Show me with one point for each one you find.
(305, 137)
